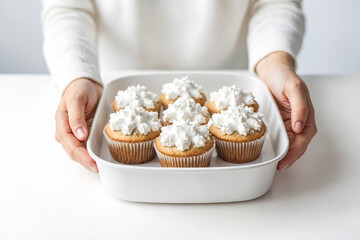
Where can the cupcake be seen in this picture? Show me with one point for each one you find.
(136, 96)
(185, 109)
(184, 145)
(230, 96)
(181, 87)
(130, 134)
(239, 134)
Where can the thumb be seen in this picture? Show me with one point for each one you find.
(298, 103)
(77, 121)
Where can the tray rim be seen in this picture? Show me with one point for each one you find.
(185, 170)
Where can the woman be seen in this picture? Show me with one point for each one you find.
(264, 36)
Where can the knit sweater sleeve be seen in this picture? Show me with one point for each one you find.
(70, 49)
(275, 25)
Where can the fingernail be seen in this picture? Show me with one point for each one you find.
(93, 169)
(80, 133)
(284, 166)
(298, 126)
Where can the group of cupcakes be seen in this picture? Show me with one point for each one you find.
(188, 129)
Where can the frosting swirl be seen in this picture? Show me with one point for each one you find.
(241, 119)
(136, 96)
(182, 87)
(183, 134)
(129, 120)
(231, 96)
(185, 109)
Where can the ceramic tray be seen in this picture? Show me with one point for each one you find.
(221, 182)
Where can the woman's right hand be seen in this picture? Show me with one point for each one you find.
(74, 117)
(292, 96)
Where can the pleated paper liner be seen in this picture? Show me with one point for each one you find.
(239, 152)
(131, 152)
(202, 160)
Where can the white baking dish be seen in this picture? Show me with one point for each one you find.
(221, 182)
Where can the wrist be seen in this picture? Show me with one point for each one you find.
(275, 60)
(84, 81)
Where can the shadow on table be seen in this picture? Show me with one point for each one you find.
(317, 170)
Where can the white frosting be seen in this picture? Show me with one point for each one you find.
(136, 96)
(130, 119)
(185, 109)
(241, 119)
(183, 134)
(231, 96)
(183, 87)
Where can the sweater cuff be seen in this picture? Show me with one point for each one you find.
(64, 80)
(271, 42)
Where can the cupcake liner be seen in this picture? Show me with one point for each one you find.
(239, 152)
(202, 160)
(131, 152)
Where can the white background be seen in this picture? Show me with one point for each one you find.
(331, 44)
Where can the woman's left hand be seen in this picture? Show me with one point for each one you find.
(293, 99)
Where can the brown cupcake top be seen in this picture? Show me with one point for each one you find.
(184, 139)
(136, 96)
(230, 96)
(238, 123)
(192, 151)
(212, 108)
(166, 102)
(133, 125)
(135, 137)
(182, 87)
(156, 107)
(236, 137)
(185, 109)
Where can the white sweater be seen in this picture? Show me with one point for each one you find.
(84, 36)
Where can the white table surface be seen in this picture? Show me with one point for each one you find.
(45, 195)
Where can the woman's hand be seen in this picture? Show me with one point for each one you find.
(293, 99)
(74, 117)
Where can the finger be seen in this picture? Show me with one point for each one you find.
(296, 150)
(59, 111)
(77, 121)
(297, 96)
(78, 153)
(75, 149)
(300, 143)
